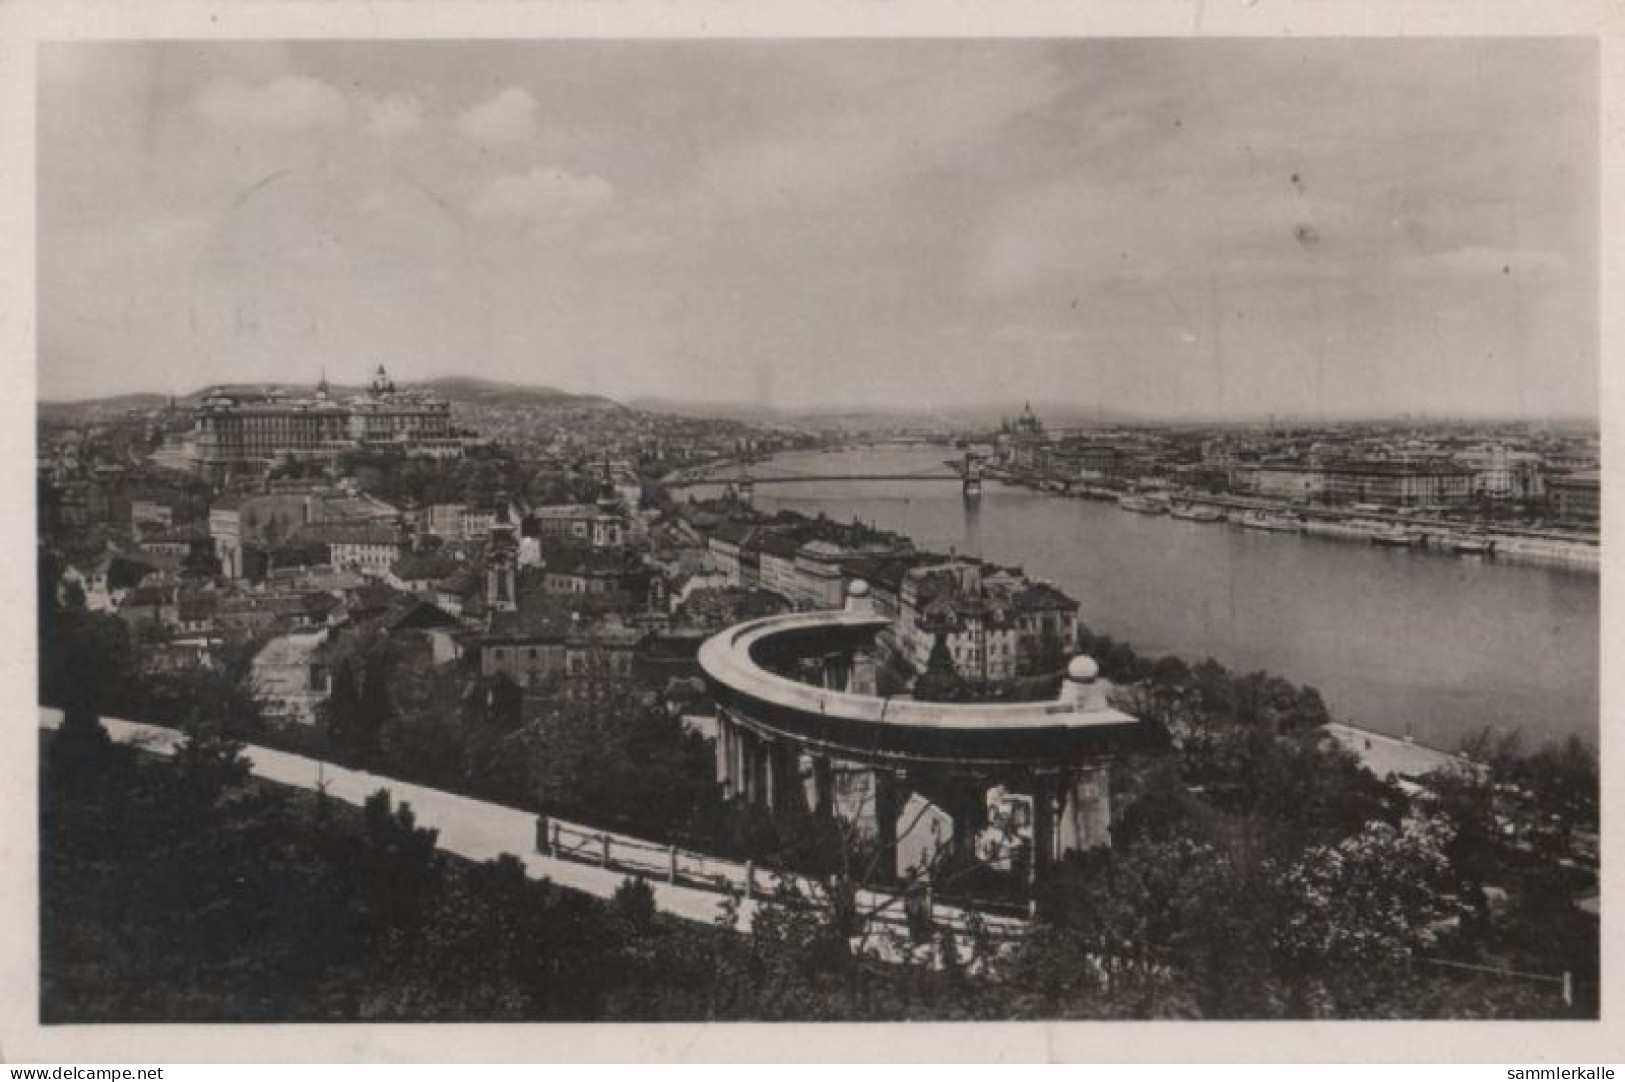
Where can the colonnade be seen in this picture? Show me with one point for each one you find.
(1071, 804)
(754, 768)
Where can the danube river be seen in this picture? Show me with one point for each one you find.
(1444, 646)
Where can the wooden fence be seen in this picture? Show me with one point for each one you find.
(564, 840)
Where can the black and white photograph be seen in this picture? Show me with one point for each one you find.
(817, 529)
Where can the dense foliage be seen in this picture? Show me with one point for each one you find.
(480, 478)
(179, 890)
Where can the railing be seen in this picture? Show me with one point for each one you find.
(1564, 980)
(564, 840)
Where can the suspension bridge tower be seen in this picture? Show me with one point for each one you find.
(970, 477)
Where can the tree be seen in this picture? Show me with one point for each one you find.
(940, 682)
(492, 720)
(1049, 653)
(1357, 913)
(1562, 783)
(397, 864)
(340, 714)
(79, 750)
(219, 695)
(210, 763)
(87, 661)
(1463, 795)
(376, 709)
(616, 759)
(1305, 780)
(634, 905)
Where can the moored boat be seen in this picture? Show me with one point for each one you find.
(1337, 529)
(1145, 505)
(1270, 520)
(1395, 537)
(1194, 512)
(1468, 545)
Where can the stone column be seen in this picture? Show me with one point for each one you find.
(823, 802)
(745, 758)
(1043, 789)
(888, 802)
(969, 812)
(1086, 812)
(861, 678)
(785, 764)
(724, 753)
(758, 772)
(767, 752)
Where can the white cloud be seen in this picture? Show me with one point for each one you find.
(292, 101)
(544, 196)
(395, 115)
(507, 117)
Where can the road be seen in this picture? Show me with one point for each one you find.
(469, 828)
(480, 830)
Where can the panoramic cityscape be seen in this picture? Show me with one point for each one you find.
(784, 531)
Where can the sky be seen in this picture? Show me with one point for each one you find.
(1170, 228)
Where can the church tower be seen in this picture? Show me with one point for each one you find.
(501, 582)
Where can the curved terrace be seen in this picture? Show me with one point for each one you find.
(1076, 727)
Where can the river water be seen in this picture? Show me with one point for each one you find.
(1438, 645)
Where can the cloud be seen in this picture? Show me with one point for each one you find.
(292, 102)
(544, 196)
(507, 117)
(395, 115)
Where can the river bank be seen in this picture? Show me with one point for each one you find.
(1432, 536)
(1440, 647)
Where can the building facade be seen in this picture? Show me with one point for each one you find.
(997, 625)
(1576, 497)
(1289, 481)
(586, 523)
(236, 432)
(290, 675)
(1398, 484)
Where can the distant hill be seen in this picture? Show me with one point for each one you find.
(855, 419)
(475, 393)
(459, 390)
(113, 405)
(484, 392)
(726, 411)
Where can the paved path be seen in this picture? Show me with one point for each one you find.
(468, 827)
(480, 830)
(1384, 755)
